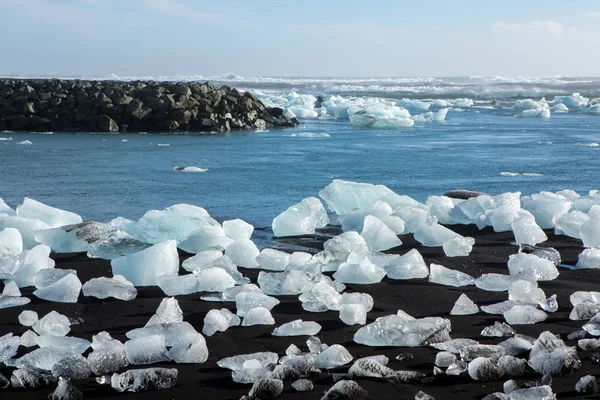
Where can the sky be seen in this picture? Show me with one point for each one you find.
(375, 38)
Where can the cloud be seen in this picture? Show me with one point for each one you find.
(178, 9)
(551, 28)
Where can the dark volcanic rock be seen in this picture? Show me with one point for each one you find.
(111, 106)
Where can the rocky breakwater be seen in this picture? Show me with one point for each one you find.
(138, 106)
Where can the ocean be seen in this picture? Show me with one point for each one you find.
(491, 140)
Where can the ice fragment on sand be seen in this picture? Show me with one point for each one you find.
(273, 260)
(168, 311)
(65, 391)
(214, 280)
(590, 232)
(353, 314)
(528, 232)
(523, 314)
(377, 235)
(301, 219)
(444, 359)
(540, 268)
(48, 276)
(354, 220)
(54, 217)
(464, 306)
(146, 350)
(495, 282)
(512, 366)
(108, 355)
(243, 253)
(29, 339)
(179, 285)
(587, 384)
(458, 246)
(363, 273)
(103, 287)
(202, 259)
(499, 329)
(589, 259)
(31, 378)
(11, 289)
(219, 320)
(238, 229)
(141, 380)
(303, 385)
(403, 330)
(445, 276)
(297, 328)
(550, 355)
(145, 267)
(435, 235)
(71, 366)
(32, 262)
(589, 344)
(332, 357)
(245, 301)
(65, 290)
(66, 343)
(472, 352)
(258, 316)
(484, 369)
(53, 324)
(345, 390)
(206, 238)
(189, 349)
(409, 266)
(170, 332)
(11, 242)
(9, 346)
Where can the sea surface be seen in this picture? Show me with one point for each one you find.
(487, 147)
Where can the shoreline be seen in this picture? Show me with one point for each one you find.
(418, 297)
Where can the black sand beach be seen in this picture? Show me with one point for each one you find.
(416, 297)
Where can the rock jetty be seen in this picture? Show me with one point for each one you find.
(137, 106)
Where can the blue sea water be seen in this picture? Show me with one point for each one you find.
(257, 175)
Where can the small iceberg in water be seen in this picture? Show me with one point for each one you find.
(189, 169)
(505, 173)
(25, 142)
(311, 135)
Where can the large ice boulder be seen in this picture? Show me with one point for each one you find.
(540, 268)
(301, 219)
(545, 206)
(408, 266)
(26, 226)
(54, 217)
(74, 238)
(377, 235)
(144, 268)
(435, 235)
(590, 232)
(176, 222)
(65, 290)
(209, 237)
(354, 220)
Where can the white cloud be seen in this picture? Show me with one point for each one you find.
(551, 28)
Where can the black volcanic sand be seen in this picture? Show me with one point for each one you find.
(417, 297)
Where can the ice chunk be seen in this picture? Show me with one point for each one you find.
(444, 359)
(297, 328)
(116, 244)
(142, 380)
(363, 299)
(238, 361)
(343, 196)
(440, 207)
(345, 390)
(11, 289)
(146, 350)
(495, 282)
(206, 238)
(189, 349)
(435, 235)
(238, 229)
(214, 280)
(445, 276)
(202, 259)
(32, 378)
(377, 235)
(541, 269)
(167, 312)
(65, 391)
(409, 266)
(74, 238)
(464, 306)
(144, 268)
(472, 352)
(364, 273)
(229, 294)
(48, 276)
(332, 357)
(528, 232)
(54, 217)
(226, 264)
(71, 366)
(44, 358)
(180, 285)
(585, 310)
(590, 232)
(53, 324)
(484, 369)
(26, 226)
(258, 316)
(66, 343)
(589, 259)
(526, 292)
(219, 321)
(523, 314)
(12, 301)
(353, 314)
(593, 326)
(547, 253)
(9, 346)
(273, 260)
(29, 339)
(545, 206)
(108, 355)
(403, 330)
(511, 366)
(5, 208)
(32, 262)
(354, 220)
(550, 355)
(589, 344)
(65, 290)
(171, 332)
(458, 246)
(414, 218)
(11, 242)
(303, 385)
(173, 223)
(570, 223)
(587, 384)
(301, 219)
(499, 329)
(117, 287)
(245, 301)
(243, 253)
